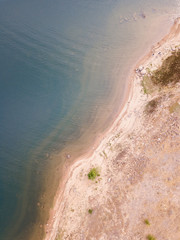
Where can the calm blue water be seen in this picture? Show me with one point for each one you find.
(63, 71)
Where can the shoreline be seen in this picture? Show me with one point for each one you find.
(134, 88)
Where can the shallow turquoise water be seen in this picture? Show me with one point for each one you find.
(63, 71)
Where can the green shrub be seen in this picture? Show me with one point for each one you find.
(90, 211)
(169, 72)
(146, 221)
(93, 173)
(150, 237)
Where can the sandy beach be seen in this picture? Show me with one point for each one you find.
(138, 162)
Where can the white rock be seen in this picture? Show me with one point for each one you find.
(109, 179)
(143, 72)
(141, 68)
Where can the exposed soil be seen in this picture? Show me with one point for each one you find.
(139, 166)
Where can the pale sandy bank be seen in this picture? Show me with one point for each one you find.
(139, 166)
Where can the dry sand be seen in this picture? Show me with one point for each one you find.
(138, 161)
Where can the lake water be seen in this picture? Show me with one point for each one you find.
(64, 66)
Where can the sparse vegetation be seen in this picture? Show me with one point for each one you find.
(59, 236)
(105, 155)
(174, 107)
(146, 221)
(101, 155)
(151, 105)
(93, 173)
(90, 211)
(144, 88)
(169, 72)
(148, 86)
(148, 70)
(150, 237)
(144, 85)
(117, 135)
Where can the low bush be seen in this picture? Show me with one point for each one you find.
(146, 221)
(150, 237)
(90, 211)
(93, 173)
(151, 106)
(169, 72)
